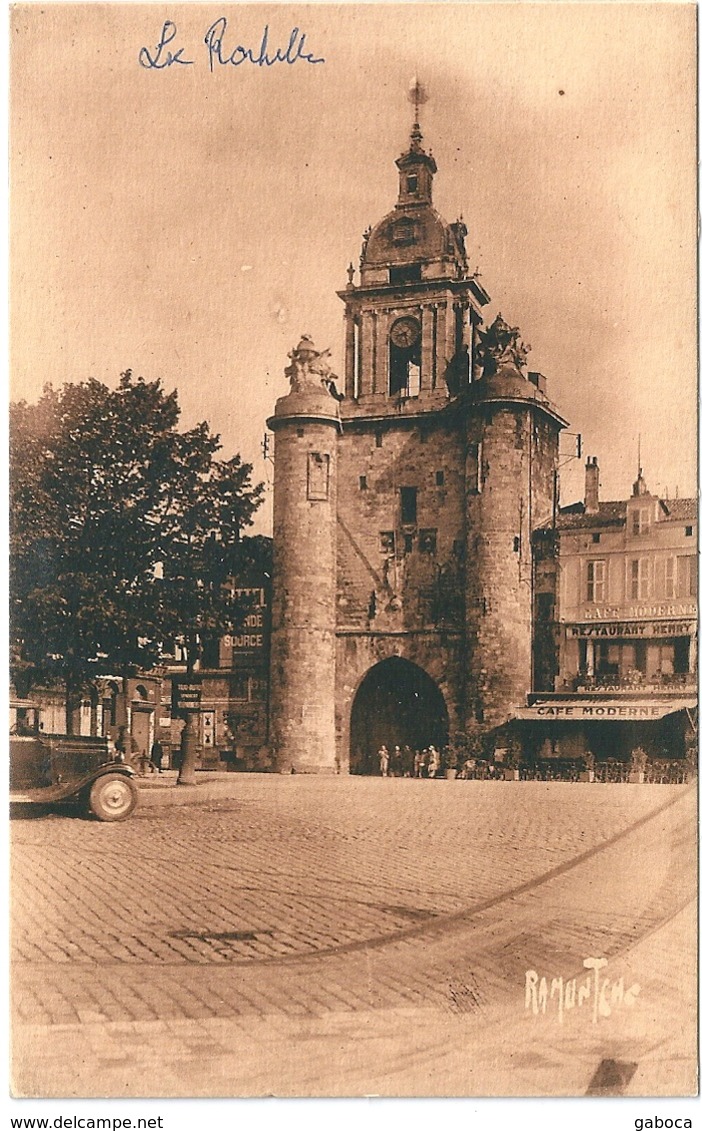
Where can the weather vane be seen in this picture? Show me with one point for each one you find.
(417, 96)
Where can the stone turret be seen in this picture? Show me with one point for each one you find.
(306, 424)
(511, 458)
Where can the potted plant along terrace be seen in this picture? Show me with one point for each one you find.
(690, 762)
(588, 771)
(471, 745)
(451, 762)
(511, 763)
(637, 766)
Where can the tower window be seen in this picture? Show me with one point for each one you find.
(404, 232)
(405, 371)
(688, 532)
(405, 357)
(318, 476)
(474, 468)
(408, 506)
(379, 439)
(363, 482)
(412, 182)
(427, 541)
(439, 479)
(596, 537)
(409, 273)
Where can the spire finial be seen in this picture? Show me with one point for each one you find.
(417, 96)
(639, 459)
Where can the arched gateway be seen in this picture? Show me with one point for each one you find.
(397, 703)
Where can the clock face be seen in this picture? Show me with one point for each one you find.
(405, 332)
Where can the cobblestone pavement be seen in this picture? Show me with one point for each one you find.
(354, 936)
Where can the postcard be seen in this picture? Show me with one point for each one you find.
(353, 552)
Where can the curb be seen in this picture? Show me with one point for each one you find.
(215, 787)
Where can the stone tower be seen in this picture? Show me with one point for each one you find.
(305, 423)
(511, 465)
(442, 461)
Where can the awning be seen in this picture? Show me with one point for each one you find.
(605, 710)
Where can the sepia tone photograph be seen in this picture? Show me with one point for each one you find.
(353, 550)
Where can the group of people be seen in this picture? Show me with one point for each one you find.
(126, 748)
(404, 762)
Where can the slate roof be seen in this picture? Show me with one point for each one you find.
(573, 517)
(681, 510)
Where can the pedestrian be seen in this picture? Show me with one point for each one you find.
(407, 762)
(396, 763)
(422, 769)
(433, 762)
(125, 745)
(157, 755)
(383, 760)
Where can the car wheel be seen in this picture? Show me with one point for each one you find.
(113, 797)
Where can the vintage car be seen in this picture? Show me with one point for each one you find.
(49, 768)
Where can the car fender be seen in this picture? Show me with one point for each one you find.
(75, 788)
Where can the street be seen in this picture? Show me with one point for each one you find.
(352, 936)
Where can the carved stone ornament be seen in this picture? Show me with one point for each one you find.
(364, 245)
(501, 348)
(309, 371)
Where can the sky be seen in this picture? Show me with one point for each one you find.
(190, 223)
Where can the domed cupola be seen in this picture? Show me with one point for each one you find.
(413, 242)
(411, 318)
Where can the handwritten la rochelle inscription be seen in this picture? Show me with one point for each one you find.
(220, 53)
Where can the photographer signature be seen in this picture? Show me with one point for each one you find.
(600, 994)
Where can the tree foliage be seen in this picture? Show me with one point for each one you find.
(123, 530)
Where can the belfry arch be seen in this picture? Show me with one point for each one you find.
(396, 703)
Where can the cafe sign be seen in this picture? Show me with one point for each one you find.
(608, 711)
(639, 629)
(641, 612)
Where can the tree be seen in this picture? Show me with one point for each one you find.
(123, 531)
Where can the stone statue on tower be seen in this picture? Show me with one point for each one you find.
(309, 371)
(501, 348)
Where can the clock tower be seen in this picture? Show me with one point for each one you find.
(403, 591)
(414, 311)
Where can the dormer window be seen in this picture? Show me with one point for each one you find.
(640, 520)
(404, 232)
